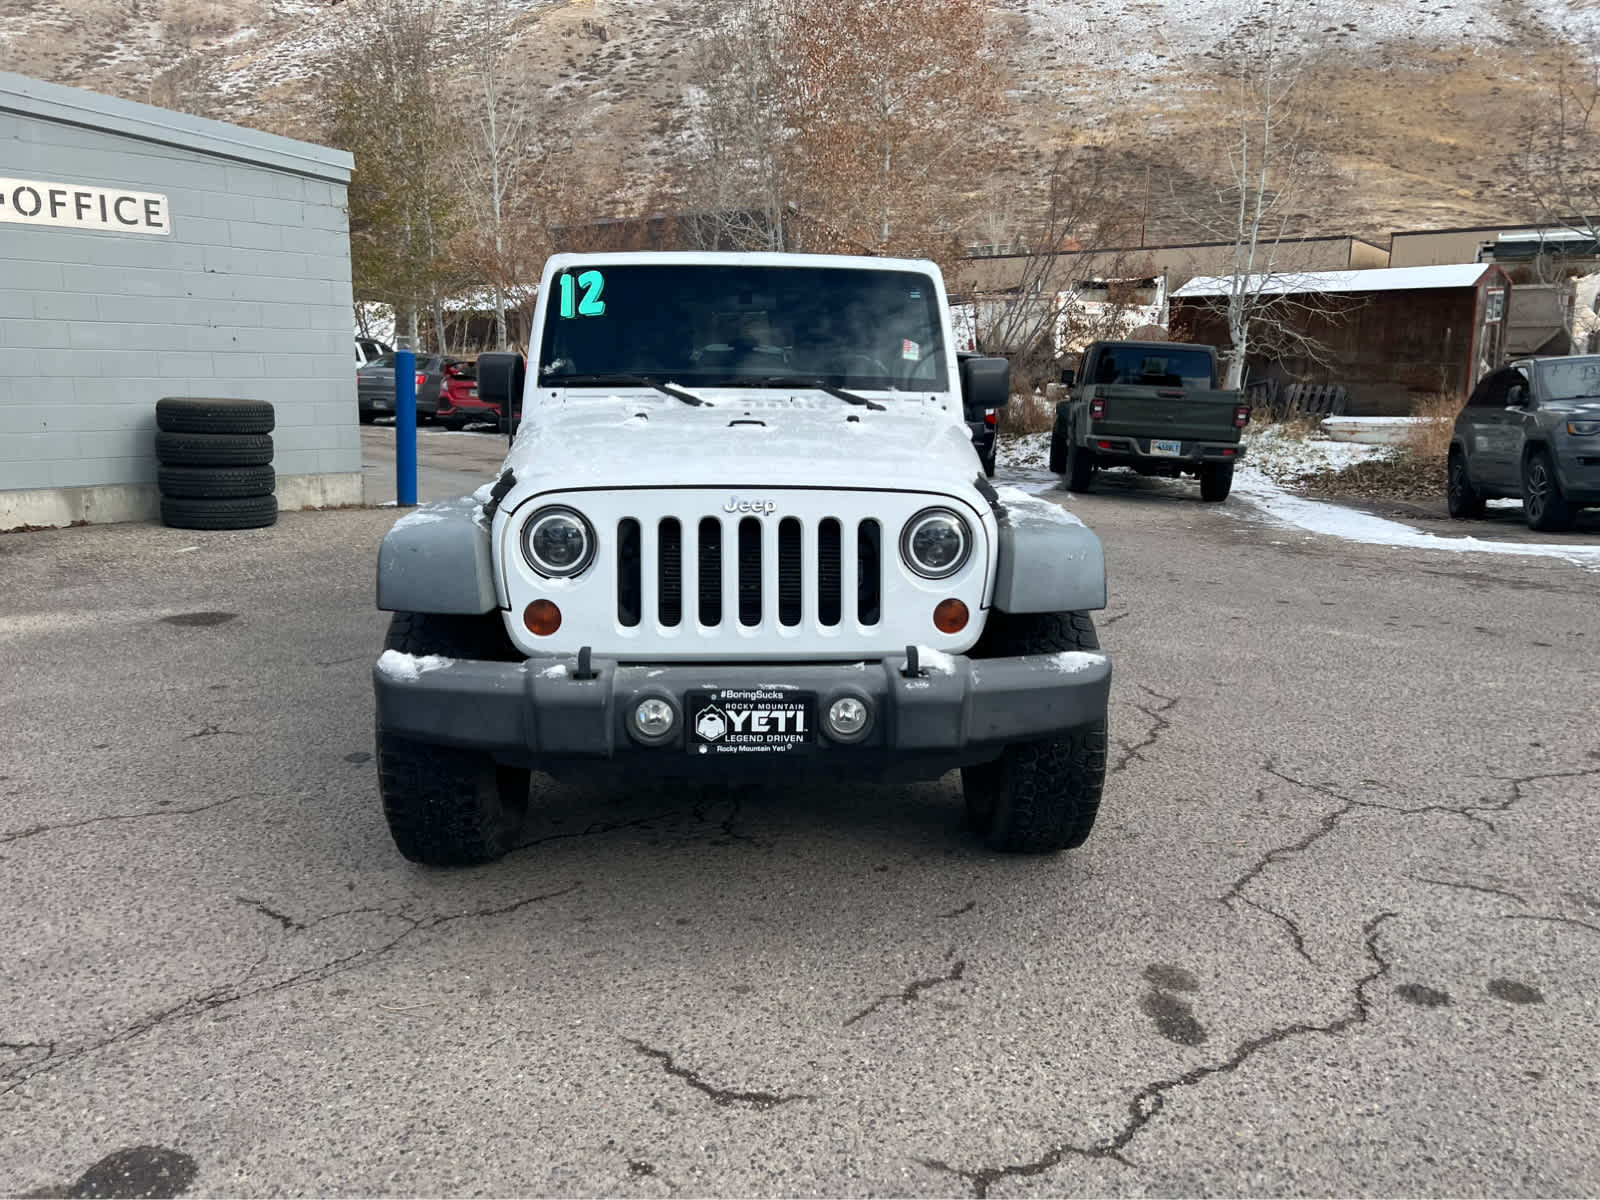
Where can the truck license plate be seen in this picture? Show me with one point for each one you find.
(750, 721)
(1172, 449)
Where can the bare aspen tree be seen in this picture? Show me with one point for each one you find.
(1272, 169)
(504, 157)
(380, 99)
(739, 187)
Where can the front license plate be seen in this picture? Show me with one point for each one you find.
(1171, 449)
(750, 721)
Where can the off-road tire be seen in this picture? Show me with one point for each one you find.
(1058, 448)
(215, 483)
(1216, 481)
(1461, 500)
(1038, 797)
(1543, 505)
(448, 807)
(1080, 466)
(193, 414)
(213, 449)
(239, 512)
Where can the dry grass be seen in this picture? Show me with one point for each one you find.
(1027, 414)
(1430, 440)
(1415, 471)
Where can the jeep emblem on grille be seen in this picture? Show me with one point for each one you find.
(762, 508)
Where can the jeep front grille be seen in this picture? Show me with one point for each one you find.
(763, 587)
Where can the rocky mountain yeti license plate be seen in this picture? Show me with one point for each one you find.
(750, 721)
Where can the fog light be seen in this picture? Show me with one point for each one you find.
(654, 719)
(847, 716)
(950, 616)
(542, 618)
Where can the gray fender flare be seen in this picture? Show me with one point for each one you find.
(1048, 561)
(438, 559)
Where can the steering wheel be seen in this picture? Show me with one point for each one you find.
(880, 369)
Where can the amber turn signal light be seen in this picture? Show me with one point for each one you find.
(542, 618)
(950, 616)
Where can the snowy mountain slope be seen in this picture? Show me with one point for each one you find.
(1429, 110)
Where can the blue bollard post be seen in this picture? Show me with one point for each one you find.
(405, 428)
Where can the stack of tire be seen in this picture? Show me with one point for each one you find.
(215, 463)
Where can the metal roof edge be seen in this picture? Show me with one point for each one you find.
(92, 110)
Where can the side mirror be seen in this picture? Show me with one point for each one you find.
(1517, 396)
(985, 384)
(500, 381)
(1068, 376)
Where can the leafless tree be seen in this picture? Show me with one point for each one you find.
(739, 188)
(504, 159)
(1041, 307)
(1268, 67)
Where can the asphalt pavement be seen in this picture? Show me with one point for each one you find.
(1337, 931)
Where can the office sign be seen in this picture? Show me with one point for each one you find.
(81, 206)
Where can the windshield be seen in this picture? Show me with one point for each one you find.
(1149, 366)
(707, 326)
(1570, 378)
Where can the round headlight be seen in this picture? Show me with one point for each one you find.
(935, 543)
(557, 542)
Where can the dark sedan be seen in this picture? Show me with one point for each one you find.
(375, 385)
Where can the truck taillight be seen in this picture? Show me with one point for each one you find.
(991, 418)
(1097, 408)
(421, 379)
(1241, 416)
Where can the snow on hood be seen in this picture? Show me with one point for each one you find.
(769, 439)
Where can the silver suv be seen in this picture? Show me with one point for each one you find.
(1530, 429)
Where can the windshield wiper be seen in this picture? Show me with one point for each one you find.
(805, 381)
(665, 389)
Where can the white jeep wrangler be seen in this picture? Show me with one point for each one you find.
(741, 533)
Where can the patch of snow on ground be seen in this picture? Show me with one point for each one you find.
(1335, 521)
(409, 667)
(1283, 458)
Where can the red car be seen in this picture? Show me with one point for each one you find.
(458, 398)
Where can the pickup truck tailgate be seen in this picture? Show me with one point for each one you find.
(1192, 416)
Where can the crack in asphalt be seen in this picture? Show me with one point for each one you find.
(1112, 620)
(912, 992)
(206, 731)
(1472, 887)
(260, 906)
(1147, 1103)
(236, 992)
(723, 1097)
(1159, 725)
(35, 830)
(959, 912)
(1330, 821)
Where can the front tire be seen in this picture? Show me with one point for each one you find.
(448, 807)
(1461, 499)
(1038, 797)
(1545, 508)
(1216, 481)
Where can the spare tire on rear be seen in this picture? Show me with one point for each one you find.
(196, 414)
(213, 449)
(243, 512)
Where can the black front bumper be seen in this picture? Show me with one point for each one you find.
(537, 713)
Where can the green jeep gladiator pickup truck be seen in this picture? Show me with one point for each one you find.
(1152, 406)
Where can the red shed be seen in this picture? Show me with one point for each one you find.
(1389, 334)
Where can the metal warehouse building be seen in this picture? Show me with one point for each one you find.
(145, 253)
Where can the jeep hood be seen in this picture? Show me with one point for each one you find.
(761, 441)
